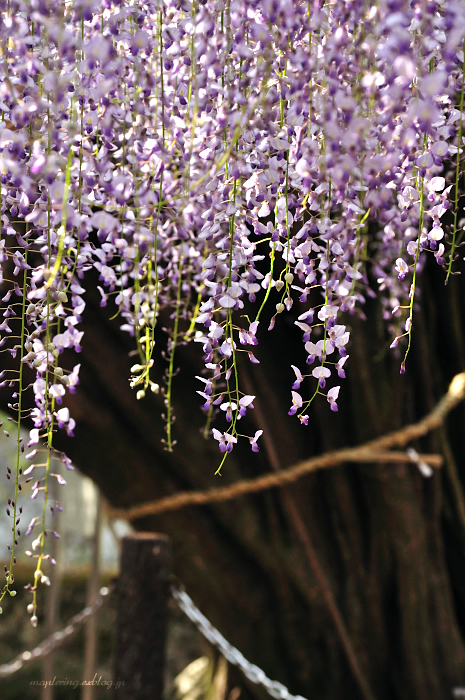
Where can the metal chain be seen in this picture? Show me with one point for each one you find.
(56, 638)
(255, 674)
(251, 671)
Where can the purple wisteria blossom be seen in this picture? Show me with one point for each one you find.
(226, 440)
(253, 441)
(208, 163)
(332, 397)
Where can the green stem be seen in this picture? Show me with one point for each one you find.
(457, 178)
(270, 284)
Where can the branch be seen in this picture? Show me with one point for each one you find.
(373, 451)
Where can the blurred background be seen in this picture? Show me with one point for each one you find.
(87, 556)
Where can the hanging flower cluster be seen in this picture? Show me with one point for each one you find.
(211, 156)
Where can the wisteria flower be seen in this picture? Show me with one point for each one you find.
(321, 373)
(226, 440)
(402, 268)
(299, 377)
(249, 337)
(297, 402)
(253, 441)
(332, 397)
(245, 402)
(229, 407)
(65, 421)
(340, 367)
(328, 312)
(317, 349)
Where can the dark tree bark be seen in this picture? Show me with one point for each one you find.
(347, 584)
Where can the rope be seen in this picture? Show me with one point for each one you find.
(372, 451)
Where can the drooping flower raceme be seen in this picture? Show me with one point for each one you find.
(209, 160)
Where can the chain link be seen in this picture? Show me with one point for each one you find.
(56, 638)
(255, 674)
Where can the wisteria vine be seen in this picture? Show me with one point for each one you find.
(213, 157)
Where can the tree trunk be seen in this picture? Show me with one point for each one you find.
(346, 584)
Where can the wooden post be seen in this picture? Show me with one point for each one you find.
(91, 628)
(143, 592)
